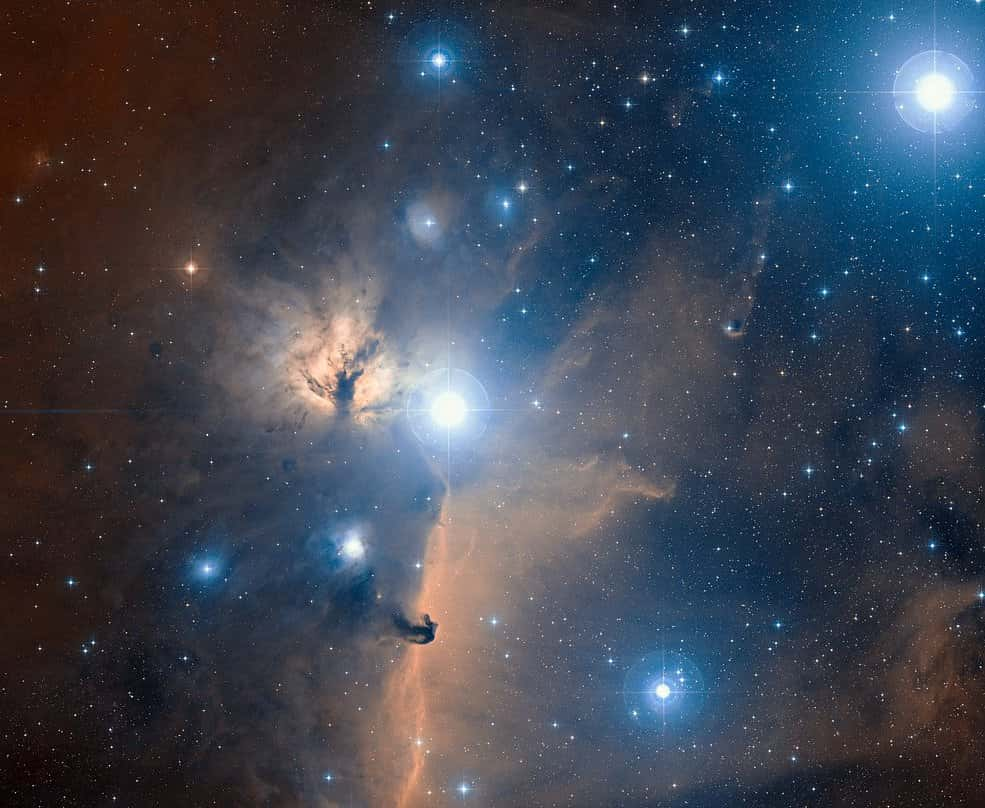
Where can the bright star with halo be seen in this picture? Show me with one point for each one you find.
(663, 687)
(933, 91)
(447, 403)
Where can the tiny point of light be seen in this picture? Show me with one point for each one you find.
(662, 690)
(935, 92)
(448, 409)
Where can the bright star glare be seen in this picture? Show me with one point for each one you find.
(353, 548)
(448, 409)
(439, 60)
(662, 690)
(935, 92)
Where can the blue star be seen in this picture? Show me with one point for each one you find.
(207, 569)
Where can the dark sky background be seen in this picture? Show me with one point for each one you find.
(714, 307)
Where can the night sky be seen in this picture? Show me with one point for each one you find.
(515, 404)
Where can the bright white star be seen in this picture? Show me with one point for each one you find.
(663, 691)
(935, 92)
(439, 60)
(353, 548)
(448, 409)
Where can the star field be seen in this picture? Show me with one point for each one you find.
(525, 404)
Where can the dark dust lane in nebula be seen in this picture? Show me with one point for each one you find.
(511, 404)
